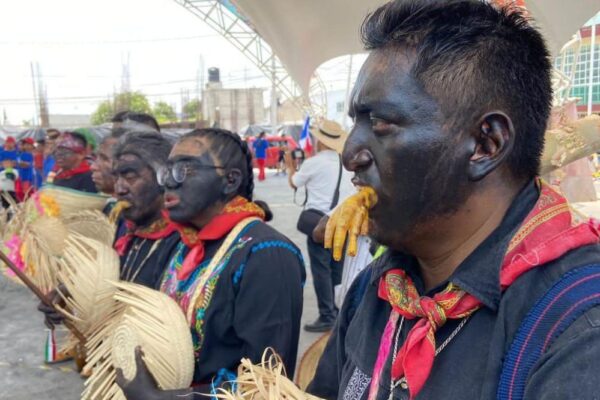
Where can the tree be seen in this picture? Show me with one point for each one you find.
(103, 113)
(164, 112)
(126, 101)
(193, 109)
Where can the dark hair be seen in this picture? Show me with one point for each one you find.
(151, 147)
(472, 58)
(141, 118)
(233, 152)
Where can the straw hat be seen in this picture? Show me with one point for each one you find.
(141, 317)
(331, 134)
(87, 269)
(71, 201)
(310, 360)
(91, 224)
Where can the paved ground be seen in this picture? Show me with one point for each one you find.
(23, 375)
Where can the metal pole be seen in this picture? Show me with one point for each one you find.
(347, 98)
(591, 72)
(273, 96)
(35, 102)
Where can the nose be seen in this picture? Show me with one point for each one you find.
(356, 156)
(121, 188)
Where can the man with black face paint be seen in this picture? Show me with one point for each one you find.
(253, 299)
(149, 239)
(489, 289)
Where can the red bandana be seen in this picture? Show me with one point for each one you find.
(546, 234)
(159, 229)
(81, 169)
(235, 211)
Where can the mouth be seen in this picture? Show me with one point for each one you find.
(171, 200)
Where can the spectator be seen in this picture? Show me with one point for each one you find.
(73, 170)
(25, 167)
(8, 178)
(323, 176)
(260, 153)
(52, 136)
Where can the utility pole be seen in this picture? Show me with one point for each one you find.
(35, 101)
(273, 96)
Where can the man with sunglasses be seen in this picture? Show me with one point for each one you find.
(73, 170)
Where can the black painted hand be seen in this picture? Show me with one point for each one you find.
(142, 386)
(51, 317)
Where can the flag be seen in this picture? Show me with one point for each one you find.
(305, 139)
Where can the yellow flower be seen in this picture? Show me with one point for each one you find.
(50, 206)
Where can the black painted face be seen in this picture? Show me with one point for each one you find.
(136, 183)
(202, 189)
(400, 146)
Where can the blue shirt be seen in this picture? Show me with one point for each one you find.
(26, 173)
(8, 155)
(48, 166)
(260, 148)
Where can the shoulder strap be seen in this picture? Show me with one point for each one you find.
(229, 241)
(336, 194)
(574, 294)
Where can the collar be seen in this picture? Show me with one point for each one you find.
(479, 273)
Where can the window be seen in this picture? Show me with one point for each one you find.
(339, 107)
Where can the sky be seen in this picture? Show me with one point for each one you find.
(81, 46)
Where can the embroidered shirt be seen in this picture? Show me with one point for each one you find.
(469, 367)
(252, 301)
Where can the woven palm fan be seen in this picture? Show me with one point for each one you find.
(72, 201)
(91, 224)
(88, 266)
(141, 317)
(310, 360)
(570, 142)
(265, 381)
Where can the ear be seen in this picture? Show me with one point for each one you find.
(232, 181)
(493, 141)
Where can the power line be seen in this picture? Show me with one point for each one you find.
(105, 42)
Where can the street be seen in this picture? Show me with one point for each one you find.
(24, 376)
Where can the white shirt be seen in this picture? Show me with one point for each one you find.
(319, 174)
(7, 184)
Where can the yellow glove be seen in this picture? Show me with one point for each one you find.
(349, 220)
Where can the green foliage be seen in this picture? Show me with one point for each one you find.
(103, 113)
(193, 110)
(131, 101)
(164, 112)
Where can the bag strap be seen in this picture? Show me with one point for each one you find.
(575, 293)
(336, 194)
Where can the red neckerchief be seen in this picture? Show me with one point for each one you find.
(81, 169)
(235, 211)
(546, 234)
(159, 229)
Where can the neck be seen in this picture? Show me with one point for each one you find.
(149, 220)
(200, 221)
(444, 247)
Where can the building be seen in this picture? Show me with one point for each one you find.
(68, 121)
(581, 63)
(231, 109)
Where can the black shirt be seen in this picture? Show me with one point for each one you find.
(256, 303)
(146, 259)
(469, 366)
(82, 182)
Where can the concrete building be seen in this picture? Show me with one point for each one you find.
(581, 63)
(231, 109)
(68, 121)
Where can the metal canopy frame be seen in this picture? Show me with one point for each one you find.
(238, 32)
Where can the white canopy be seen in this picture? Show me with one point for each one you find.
(306, 33)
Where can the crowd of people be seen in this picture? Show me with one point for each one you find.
(483, 285)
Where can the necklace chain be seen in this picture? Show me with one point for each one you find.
(402, 381)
